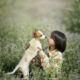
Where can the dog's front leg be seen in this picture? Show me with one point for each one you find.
(27, 46)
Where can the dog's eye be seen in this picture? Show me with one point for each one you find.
(40, 35)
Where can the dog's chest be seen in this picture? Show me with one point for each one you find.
(34, 44)
(31, 52)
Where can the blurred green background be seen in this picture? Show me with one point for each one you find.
(19, 18)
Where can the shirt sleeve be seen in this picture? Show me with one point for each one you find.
(58, 56)
(44, 59)
(42, 53)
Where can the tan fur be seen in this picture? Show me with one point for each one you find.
(37, 34)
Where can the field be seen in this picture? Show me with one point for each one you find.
(19, 18)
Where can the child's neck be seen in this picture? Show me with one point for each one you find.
(51, 48)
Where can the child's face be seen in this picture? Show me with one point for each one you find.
(50, 42)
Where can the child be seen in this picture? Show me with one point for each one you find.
(51, 57)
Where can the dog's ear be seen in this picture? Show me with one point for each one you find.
(34, 34)
(36, 30)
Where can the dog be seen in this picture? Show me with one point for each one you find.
(29, 54)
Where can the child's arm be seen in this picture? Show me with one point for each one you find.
(41, 53)
(44, 58)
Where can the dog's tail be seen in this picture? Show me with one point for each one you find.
(15, 69)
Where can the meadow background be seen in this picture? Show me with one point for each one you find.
(19, 18)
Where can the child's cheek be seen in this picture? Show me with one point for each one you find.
(52, 42)
(48, 42)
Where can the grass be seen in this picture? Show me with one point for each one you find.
(18, 19)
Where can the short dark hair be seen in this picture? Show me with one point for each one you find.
(60, 40)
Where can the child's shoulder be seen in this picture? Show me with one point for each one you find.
(58, 53)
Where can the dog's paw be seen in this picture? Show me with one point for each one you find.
(26, 77)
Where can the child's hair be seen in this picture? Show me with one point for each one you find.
(60, 40)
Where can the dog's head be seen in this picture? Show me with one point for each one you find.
(38, 34)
